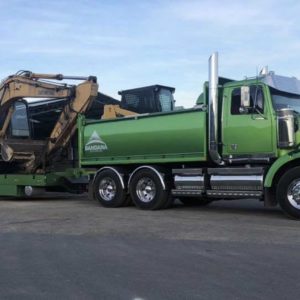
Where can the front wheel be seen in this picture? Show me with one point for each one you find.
(288, 193)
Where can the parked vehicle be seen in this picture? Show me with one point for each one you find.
(241, 140)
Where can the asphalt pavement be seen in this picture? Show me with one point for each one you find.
(67, 247)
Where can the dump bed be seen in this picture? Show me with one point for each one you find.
(178, 136)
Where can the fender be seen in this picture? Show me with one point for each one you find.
(150, 168)
(117, 171)
(278, 164)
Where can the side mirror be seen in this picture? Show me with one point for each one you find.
(245, 96)
(243, 110)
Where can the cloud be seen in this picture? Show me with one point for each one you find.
(236, 13)
(133, 43)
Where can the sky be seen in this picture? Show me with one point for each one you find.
(134, 43)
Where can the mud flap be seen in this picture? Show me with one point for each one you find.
(269, 198)
(91, 194)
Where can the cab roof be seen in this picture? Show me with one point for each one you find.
(150, 87)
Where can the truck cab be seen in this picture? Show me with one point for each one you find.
(259, 119)
(254, 141)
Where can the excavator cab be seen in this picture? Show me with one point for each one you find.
(34, 119)
(144, 100)
(28, 132)
(149, 99)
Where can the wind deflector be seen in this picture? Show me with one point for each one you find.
(282, 83)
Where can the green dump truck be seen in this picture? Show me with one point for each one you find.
(241, 140)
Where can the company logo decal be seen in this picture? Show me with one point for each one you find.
(95, 144)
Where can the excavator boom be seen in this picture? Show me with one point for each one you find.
(33, 85)
(65, 126)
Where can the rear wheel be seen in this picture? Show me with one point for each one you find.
(195, 201)
(288, 193)
(108, 189)
(147, 190)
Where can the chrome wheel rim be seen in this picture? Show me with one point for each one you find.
(107, 189)
(293, 193)
(145, 189)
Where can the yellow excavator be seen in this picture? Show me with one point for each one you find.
(17, 144)
(37, 136)
(38, 116)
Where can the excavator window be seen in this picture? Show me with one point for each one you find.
(150, 99)
(139, 101)
(166, 100)
(35, 119)
(43, 116)
(19, 121)
(132, 101)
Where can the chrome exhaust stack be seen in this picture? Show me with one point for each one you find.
(213, 109)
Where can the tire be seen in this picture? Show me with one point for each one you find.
(147, 191)
(195, 201)
(128, 201)
(288, 193)
(108, 189)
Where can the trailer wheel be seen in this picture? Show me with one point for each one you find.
(288, 193)
(195, 201)
(147, 191)
(108, 189)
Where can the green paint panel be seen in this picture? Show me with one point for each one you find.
(23, 179)
(172, 137)
(13, 184)
(10, 190)
(279, 163)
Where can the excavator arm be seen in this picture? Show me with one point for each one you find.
(114, 111)
(20, 86)
(31, 85)
(65, 127)
(27, 84)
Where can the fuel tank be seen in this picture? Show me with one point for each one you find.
(178, 136)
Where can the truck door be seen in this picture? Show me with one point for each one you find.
(247, 133)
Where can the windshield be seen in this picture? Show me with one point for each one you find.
(285, 100)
